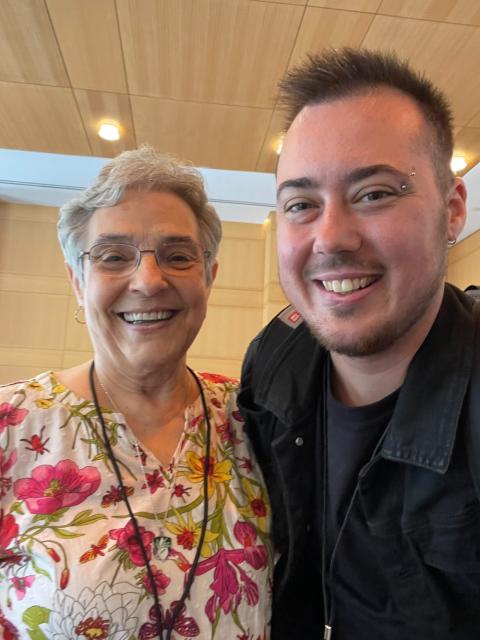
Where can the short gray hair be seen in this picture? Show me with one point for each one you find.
(143, 169)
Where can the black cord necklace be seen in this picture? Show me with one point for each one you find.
(113, 460)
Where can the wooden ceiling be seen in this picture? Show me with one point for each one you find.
(197, 78)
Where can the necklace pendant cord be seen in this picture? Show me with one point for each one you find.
(327, 633)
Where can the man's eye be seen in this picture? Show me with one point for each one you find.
(373, 196)
(297, 207)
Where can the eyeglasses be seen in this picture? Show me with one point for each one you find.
(118, 259)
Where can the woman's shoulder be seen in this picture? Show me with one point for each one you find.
(226, 383)
(29, 387)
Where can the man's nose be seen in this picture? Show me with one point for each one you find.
(336, 229)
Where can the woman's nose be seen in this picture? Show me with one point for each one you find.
(149, 275)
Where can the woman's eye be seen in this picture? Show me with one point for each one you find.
(113, 257)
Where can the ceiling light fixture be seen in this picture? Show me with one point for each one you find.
(458, 163)
(109, 131)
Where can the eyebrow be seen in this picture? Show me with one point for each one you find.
(351, 178)
(127, 239)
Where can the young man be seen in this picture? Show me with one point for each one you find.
(363, 400)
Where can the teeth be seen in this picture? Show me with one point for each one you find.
(148, 317)
(348, 285)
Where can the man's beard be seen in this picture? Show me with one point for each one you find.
(380, 338)
(384, 333)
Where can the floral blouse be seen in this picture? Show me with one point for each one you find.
(70, 563)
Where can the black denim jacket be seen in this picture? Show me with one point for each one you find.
(420, 495)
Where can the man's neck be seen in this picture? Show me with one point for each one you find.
(367, 379)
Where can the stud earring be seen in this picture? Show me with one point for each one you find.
(451, 243)
(79, 315)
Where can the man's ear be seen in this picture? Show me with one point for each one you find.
(76, 284)
(457, 209)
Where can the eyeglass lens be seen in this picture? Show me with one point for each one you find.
(122, 259)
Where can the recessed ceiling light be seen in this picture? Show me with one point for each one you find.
(109, 131)
(458, 163)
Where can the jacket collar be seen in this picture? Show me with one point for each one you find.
(424, 424)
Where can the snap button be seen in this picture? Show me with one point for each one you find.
(299, 441)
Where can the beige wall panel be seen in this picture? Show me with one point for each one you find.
(276, 294)
(72, 358)
(28, 48)
(216, 365)
(241, 264)
(97, 107)
(323, 28)
(13, 211)
(222, 51)
(30, 248)
(88, 36)
(40, 118)
(226, 331)
(464, 262)
(460, 11)
(13, 373)
(370, 6)
(235, 298)
(77, 338)
(243, 230)
(202, 133)
(48, 359)
(39, 284)
(32, 320)
(450, 47)
(267, 160)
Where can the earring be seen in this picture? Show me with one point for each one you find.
(451, 243)
(79, 315)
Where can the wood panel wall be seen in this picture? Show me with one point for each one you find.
(464, 262)
(37, 326)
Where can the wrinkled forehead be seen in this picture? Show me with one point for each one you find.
(144, 217)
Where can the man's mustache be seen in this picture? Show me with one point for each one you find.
(325, 264)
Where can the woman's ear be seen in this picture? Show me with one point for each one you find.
(76, 284)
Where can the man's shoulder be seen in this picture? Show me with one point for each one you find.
(286, 324)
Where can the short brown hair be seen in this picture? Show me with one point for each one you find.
(339, 73)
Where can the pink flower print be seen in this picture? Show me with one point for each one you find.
(10, 415)
(255, 555)
(161, 581)
(7, 629)
(127, 541)
(51, 488)
(225, 587)
(21, 585)
(5, 465)
(154, 481)
(8, 530)
(217, 377)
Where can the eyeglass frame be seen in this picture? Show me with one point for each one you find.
(174, 271)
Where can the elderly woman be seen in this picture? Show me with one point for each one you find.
(131, 505)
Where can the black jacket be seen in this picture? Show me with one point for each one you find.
(420, 495)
